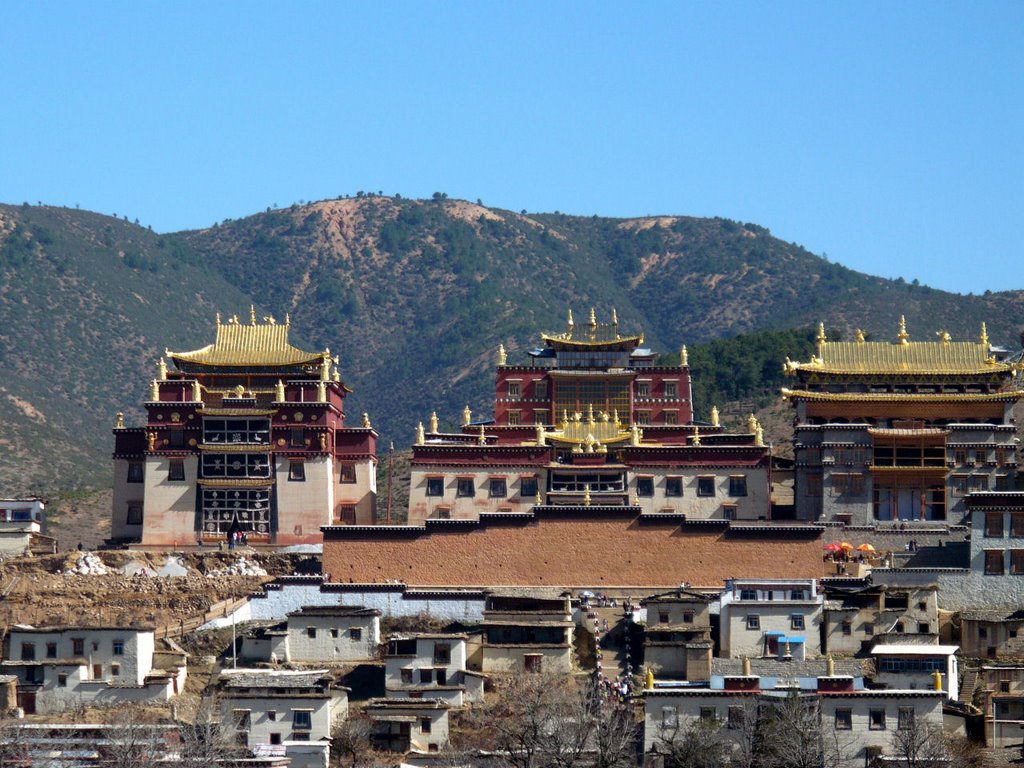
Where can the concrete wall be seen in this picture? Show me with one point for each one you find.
(304, 506)
(170, 506)
(423, 507)
(424, 658)
(512, 658)
(362, 494)
(324, 709)
(125, 493)
(774, 616)
(568, 549)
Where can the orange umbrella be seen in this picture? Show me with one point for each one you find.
(865, 548)
(846, 545)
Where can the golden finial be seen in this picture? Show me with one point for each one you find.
(270, 320)
(197, 391)
(601, 447)
(335, 376)
(830, 665)
(218, 318)
(590, 413)
(252, 314)
(321, 391)
(759, 439)
(746, 666)
(482, 439)
(860, 336)
(696, 435)
(822, 338)
(615, 317)
(570, 319)
(541, 437)
(280, 391)
(154, 391)
(684, 357)
(586, 495)
(565, 419)
(605, 417)
(577, 417)
(151, 440)
(634, 435)
(325, 365)
(537, 498)
(636, 498)
(323, 441)
(714, 416)
(944, 336)
(615, 417)
(433, 422)
(502, 356)
(287, 318)
(751, 424)
(234, 320)
(239, 391)
(593, 318)
(649, 679)
(420, 437)
(937, 680)
(119, 421)
(467, 416)
(984, 335)
(366, 421)
(161, 368)
(903, 337)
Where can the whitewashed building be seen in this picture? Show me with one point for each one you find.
(431, 666)
(320, 634)
(23, 528)
(408, 725)
(63, 667)
(762, 617)
(914, 666)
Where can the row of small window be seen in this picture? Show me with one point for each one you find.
(97, 674)
(497, 487)
(28, 650)
(514, 389)
(910, 456)
(427, 676)
(354, 633)
(705, 486)
(995, 562)
(846, 628)
(737, 714)
(796, 621)
(514, 418)
(255, 466)
(302, 720)
(912, 666)
(772, 594)
(995, 525)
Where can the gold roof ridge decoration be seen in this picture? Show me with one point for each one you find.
(251, 344)
(900, 356)
(593, 333)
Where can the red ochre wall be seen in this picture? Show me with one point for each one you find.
(568, 552)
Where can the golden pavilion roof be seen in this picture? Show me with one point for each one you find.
(592, 334)
(253, 344)
(942, 356)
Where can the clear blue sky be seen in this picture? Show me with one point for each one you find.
(888, 135)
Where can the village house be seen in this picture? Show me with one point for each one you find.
(992, 633)
(63, 667)
(1001, 698)
(862, 720)
(524, 632)
(914, 666)
(855, 618)
(765, 617)
(431, 666)
(23, 528)
(317, 635)
(284, 711)
(408, 724)
(677, 634)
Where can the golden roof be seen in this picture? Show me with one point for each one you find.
(902, 356)
(253, 344)
(592, 333)
(872, 397)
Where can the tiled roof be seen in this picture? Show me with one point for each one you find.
(962, 357)
(257, 345)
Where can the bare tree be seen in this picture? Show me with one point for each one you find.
(13, 746)
(205, 738)
(919, 744)
(133, 740)
(351, 745)
(697, 744)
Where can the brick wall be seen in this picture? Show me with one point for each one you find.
(566, 549)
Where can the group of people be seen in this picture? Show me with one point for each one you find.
(238, 539)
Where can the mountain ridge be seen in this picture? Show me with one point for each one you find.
(415, 296)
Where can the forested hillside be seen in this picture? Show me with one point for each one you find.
(415, 296)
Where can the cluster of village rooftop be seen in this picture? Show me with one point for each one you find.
(855, 574)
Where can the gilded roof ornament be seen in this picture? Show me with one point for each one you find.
(684, 357)
(321, 391)
(151, 440)
(197, 391)
(502, 356)
(537, 498)
(325, 365)
(634, 435)
(586, 495)
(279, 388)
(571, 324)
(903, 337)
(467, 416)
(615, 417)
(335, 376)
(696, 435)
(256, 344)
(252, 314)
(593, 318)
(482, 439)
(984, 335)
(714, 416)
(218, 318)
(759, 439)
(590, 413)
(119, 421)
(635, 500)
(541, 438)
(161, 368)
(154, 391)
(420, 436)
(821, 338)
(366, 421)
(944, 336)
(860, 337)
(751, 424)
(615, 317)
(433, 422)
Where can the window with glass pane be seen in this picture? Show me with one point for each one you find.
(673, 486)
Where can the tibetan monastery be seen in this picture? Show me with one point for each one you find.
(590, 421)
(901, 430)
(244, 435)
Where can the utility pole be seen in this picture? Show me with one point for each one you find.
(391, 472)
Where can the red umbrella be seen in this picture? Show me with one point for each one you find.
(833, 547)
